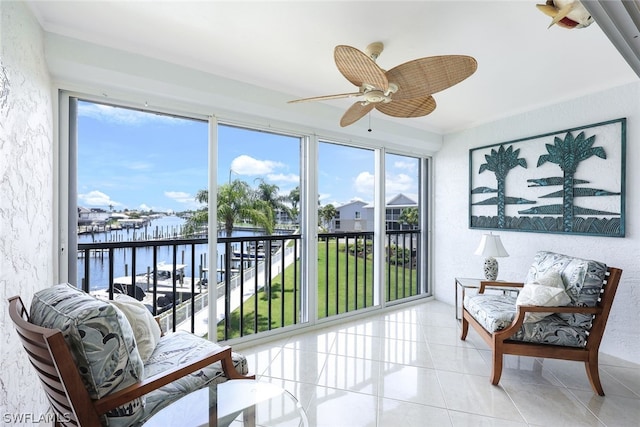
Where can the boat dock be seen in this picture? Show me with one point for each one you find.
(236, 298)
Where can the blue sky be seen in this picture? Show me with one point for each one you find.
(135, 160)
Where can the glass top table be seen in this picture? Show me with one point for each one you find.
(233, 403)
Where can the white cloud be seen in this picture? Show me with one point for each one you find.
(364, 183)
(187, 200)
(281, 177)
(144, 207)
(138, 166)
(180, 196)
(400, 183)
(405, 165)
(394, 184)
(125, 116)
(246, 165)
(97, 198)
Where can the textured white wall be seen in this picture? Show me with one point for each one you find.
(26, 201)
(455, 242)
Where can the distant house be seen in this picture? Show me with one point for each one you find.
(358, 215)
(93, 216)
(394, 209)
(282, 216)
(352, 216)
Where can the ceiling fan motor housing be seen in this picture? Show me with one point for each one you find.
(376, 96)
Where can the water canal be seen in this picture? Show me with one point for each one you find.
(166, 227)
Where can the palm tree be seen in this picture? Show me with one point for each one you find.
(202, 196)
(200, 218)
(269, 193)
(326, 214)
(567, 154)
(236, 201)
(500, 162)
(410, 216)
(294, 199)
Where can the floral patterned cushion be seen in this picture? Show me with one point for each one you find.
(552, 330)
(583, 280)
(178, 349)
(493, 312)
(496, 312)
(101, 342)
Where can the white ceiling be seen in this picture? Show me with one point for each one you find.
(288, 47)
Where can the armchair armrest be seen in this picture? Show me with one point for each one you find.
(488, 284)
(559, 309)
(524, 309)
(153, 383)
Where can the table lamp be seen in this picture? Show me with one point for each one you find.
(491, 247)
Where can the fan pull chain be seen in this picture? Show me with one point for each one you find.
(369, 122)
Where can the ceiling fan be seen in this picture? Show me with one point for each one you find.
(403, 91)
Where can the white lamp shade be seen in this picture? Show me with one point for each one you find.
(491, 246)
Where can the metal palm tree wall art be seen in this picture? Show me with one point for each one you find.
(500, 162)
(587, 163)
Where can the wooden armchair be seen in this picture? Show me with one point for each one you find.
(516, 338)
(70, 400)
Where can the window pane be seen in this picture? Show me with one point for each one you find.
(346, 215)
(137, 177)
(259, 243)
(402, 192)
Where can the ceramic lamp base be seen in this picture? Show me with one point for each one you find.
(491, 268)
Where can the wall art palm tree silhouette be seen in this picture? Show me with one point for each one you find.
(568, 153)
(592, 180)
(500, 162)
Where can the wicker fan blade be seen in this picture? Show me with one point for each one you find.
(325, 97)
(358, 68)
(426, 76)
(355, 113)
(416, 107)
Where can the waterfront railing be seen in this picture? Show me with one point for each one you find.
(258, 278)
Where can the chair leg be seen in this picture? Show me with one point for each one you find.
(496, 365)
(593, 373)
(465, 328)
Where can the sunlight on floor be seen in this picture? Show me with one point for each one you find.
(409, 367)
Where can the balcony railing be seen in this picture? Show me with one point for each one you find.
(402, 264)
(345, 273)
(258, 278)
(134, 268)
(261, 278)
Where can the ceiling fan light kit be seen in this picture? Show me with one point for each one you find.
(403, 91)
(374, 50)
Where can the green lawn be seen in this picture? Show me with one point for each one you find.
(347, 287)
(350, 287)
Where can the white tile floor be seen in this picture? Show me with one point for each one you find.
(409, 367)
